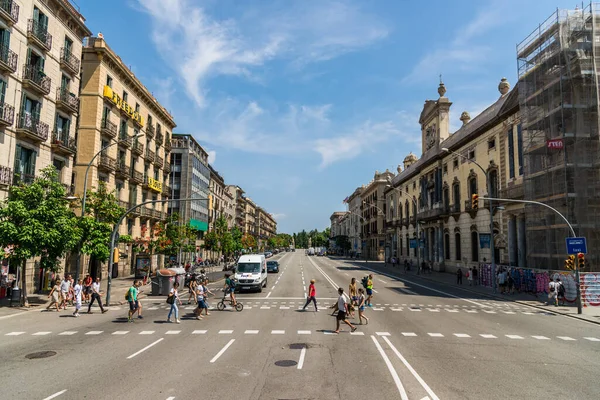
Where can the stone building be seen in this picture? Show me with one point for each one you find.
(373, 206)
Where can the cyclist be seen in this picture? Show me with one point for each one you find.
(229, 287)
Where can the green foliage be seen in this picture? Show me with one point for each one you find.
(343, 242)
(170, 236)
(236, 237)
(211, 241)
(125, 239)
(317, 239)
(248, 241)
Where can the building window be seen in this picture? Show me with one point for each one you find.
(407, 245)
(40, 21)
(130, 224)
(109, 81)
(491, 144)
(68, 46)
(414, 185)
(511, 154)
(471, 155)
(474, 247)
(447, 246)
(472, 186)
(25, 163)
(103, 178)
(445, 169)
(106, 114)
(494, 183)
(137, 108)
(520, 148)
(118, 188)
(61, 127)
(125, 96)
(35, 61)
(455, 163)
(457, 252)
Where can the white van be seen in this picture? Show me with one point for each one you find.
(251, 272)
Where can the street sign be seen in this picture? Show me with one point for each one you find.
(485, 240)
(576, 245)
(413, 243)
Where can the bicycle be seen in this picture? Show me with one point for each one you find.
(221, 304)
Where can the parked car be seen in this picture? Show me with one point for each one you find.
(272, 266)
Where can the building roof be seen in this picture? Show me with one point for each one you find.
(191, 138)
(214, 174)
(76, 15)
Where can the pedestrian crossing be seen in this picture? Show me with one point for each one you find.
(282, 332)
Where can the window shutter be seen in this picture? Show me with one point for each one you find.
(28, 56)
(41, 63)
(37, 108)
(36, 14)
(3, 86)
(18, 163)
(31, 165)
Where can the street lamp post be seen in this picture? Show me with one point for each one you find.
(113, 236)
(417, 222)
(84, 196)
(489, 187)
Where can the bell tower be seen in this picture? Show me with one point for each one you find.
(435, 120)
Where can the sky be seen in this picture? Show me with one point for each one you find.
(299, 102)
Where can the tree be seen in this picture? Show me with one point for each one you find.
(211, 241)
(102, 212)
(169, 237)
(35, 221)
(248, 241)
(236, 237)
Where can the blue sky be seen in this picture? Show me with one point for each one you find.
(300, 101)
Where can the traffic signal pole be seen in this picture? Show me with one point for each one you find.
(577, 275)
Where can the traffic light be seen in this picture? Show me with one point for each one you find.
(475, 201)
(581, 260)
(116, 255)
(570, 263)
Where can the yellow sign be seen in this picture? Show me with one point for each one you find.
(154, 185)
(123, 105)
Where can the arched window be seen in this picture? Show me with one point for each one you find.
(472, 185)
(457, 246)
(456, 195)
(494, 182)
(414, 206)
(474, 246)
(407, 245)
(447, 246)
(406, 207)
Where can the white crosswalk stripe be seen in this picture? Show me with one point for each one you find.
(146, 332)
(435, 334)
(67, 333)
(225, 332)
(41, 333)
(566, 338)
(488, 336)
(462, 335)
(277, 332)
(199, 332)
(409, 334)
(14, 333)
(514, 336)
(172, 332)
(251, 332)
(304, 332)
(120, 332)
(592, 339)
(94, 332)
(541, 337)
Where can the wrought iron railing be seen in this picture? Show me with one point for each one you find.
(33, 126)
(40, 32)
(69, 60)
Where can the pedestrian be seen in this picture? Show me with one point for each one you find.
(71, 295)
(54, 295)
(65, 288)
(459, 276)
(470, 276)
(502, 281)
(77, 294)
(192, 290)
(87, 288)
(200, 301)
(173, 299)
(370, 291)
(311, 295)
(406, 267)
(137, 299)
(131, 297)
(96, 296)
(361, 306)
(475, 276)
(342, 312)
(510, 283)
(560, 292)
(353, 295)
(553, 292)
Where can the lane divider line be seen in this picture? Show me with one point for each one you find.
(223, 350)
(302, 355)
(55, 395)
(393, 372)
(145, 348)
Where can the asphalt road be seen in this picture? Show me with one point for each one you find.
(424, 341)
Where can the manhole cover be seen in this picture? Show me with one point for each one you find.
(286, 363)
(40, 354)
(298, 346)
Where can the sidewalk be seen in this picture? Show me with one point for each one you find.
(590, 314)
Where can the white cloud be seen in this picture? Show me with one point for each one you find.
(278, 216)
(212, 156)
(199, 46)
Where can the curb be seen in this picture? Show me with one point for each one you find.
(492, 296)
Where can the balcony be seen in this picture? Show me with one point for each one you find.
(168, 146)
(166, 167)
(9, 11)
(108, 128)
(66, 100)
(7, 114)
(8, 58)
(152, 184)
(38, 34)
(145, 212)
(136, 211)
(167, 191)
(512, 192)
(455, 209)
(6, 176)
(69, 189)
(68, 61)
(123, 204)
(138, 148)
(32, 128)
(62, 143)
(159, 137)
(413, 220)
(432, 213)
(149, 155)
(122, 171)
(21, 178)
(469, 206)
(136, 176)
(150, 131)
(405, 221)
(106, 163)
(36, 80)
(158, 161)
(125, 140)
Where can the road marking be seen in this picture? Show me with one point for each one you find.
(527, 313)
(592, 339)
(382, 333)
(44, 333)
(173, 398)
(199, 332)
(302, 355)
(275, 332)
(377, 309)
(55, 395)
(223, 350)
(433, 310)
(120, 332)
(225, 332)
(471, 311)
(145, 348)
(393, 372)
(514, 336)
(412, 371)
(67, 333)
(435, 335)
(508, 312)
(304, 332)
(251, 332)
(268, 295)
(384, 282)
(13, 315)
(462, 335)
(265, 307)
(172, 332)
(94, 332)
(146, 332)
(488, 336)
(412, 334)
(396, 309)
(489, 311)
(541, 337)
(414, 309)
(152, 308)
(357, 333)
(284, 308)
(566, 338)
(451, 310)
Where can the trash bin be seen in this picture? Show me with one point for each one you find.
(179, 276)
(154, 281)
(15, 296)
(165, 278)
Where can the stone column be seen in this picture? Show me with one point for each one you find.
(440, 240)
(521, 240)
(512, 241)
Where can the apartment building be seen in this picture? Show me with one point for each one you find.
(220, 201)
(250, 217)
(354, 203)
(266, 226)
(239, 206)
(373, 208)
(40, 58)
(126, 135)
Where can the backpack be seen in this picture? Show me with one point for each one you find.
(365, 281)
(232, 283)
(561, 290)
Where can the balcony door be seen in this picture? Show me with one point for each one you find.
(4, 44)
(41, 21)
(35, 60)
(62, 127)
(31, 110)
(25, 163)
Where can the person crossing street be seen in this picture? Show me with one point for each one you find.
(95, 288)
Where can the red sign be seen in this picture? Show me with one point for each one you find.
(555, 144)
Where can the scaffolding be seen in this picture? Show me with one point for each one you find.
(558, 98)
